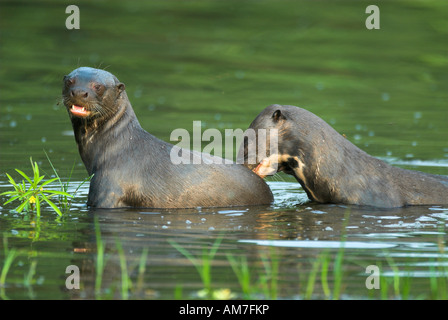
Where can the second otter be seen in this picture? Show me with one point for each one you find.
(333, 170)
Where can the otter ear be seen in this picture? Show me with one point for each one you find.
(278, 115)
(121, 87)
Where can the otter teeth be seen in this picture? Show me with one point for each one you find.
(76, 107)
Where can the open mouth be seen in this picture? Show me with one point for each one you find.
(266, 167)
(79, 111)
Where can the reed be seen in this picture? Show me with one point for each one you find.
(203, 264)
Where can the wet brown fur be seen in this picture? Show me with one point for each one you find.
(333, 170)
(132, 168)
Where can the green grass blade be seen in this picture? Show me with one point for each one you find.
(8, 193)
(35, 169)
(324, 274)
(125, 283)
(38, 206)
(48, 182)
(100, 261)
(25, 176)
(55, 172)
(186, 253)
(241, 270)
(55, 208)
(28, 194)
(85, 180)
(11, 180)
(215, 247)
(55, 192)
(12, 253)
(312, 279)
(22, 206)
(37, 181)
(12, 199)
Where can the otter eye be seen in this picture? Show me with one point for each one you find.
(99, 88)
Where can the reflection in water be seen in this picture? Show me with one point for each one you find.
(295, 235)
(299, 234)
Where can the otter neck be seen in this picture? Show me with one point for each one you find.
(98, 139)
(331, 169)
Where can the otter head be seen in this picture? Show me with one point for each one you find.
(91, 94)
(278, 140)
(308, 149)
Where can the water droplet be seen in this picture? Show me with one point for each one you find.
(161, 100)
(138, 93)
(239, 74)
(385, 96)
(13, 124)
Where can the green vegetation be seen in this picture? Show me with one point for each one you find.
(100, 247)
(396, 282)
(10, 255)
(31, 195)
(203, 265)
(255, 284)
(65, 199)
(127, 286)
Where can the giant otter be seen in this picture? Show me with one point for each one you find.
(333, 170)
(132, 168)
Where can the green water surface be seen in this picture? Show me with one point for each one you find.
(221, 63)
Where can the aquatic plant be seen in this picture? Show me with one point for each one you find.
(203, 264)
(65, 200)
(10, 255)
(127, 286)
(31, 193)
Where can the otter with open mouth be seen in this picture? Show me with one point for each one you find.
(132, 168)
(333, 170)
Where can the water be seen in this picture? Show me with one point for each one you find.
(222, 63)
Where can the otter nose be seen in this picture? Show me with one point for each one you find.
(79, 93)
